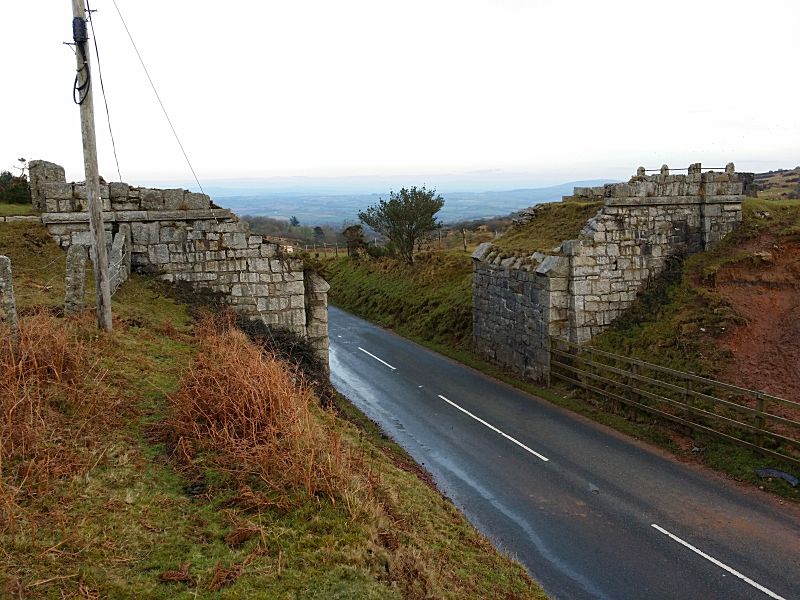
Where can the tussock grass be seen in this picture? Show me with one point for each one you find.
(244, 419)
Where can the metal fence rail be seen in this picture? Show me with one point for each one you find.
(749, 418)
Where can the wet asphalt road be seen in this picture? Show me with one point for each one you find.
(589, 512)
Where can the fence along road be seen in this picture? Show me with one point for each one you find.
(749, 418)
(589, 512)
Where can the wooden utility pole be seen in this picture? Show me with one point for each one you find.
(95, 203)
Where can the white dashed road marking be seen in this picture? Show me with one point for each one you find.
(495, 429)
(376, 358)
(720, 564)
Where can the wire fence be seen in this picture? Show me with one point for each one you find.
(749, 418)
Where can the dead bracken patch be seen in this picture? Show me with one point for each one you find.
(53, 400)
(242, 530)
(181, 575)
(253, 414)
(224, 576)
(240, 535)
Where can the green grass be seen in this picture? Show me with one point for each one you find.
(137, 523)
(37, 264)
(116, 530)
(554, 223)
(431, 298)
(674, 324)
(14, 210)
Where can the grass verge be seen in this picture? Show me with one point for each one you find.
(431, 299)
(15, 210)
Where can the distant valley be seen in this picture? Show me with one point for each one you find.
(320, 208)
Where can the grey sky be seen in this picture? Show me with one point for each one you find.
(564, 90)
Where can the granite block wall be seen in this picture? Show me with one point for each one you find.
(181, 236)
(519, 302)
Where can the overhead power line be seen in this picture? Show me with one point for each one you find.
(155, 91)
(89, 11)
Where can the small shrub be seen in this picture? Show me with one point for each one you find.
(13, 189)
(374, 251)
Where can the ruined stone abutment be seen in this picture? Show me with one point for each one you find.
(519, 302)
(181, 236)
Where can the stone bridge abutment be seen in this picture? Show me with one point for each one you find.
(520, 302)
(181, 236)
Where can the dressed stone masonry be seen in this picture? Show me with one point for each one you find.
(75, 279)
(519, 302)
(181, 236)
(8, 304)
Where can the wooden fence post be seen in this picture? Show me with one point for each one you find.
(590, 367)
(633, 395)
(758, 421)
(581, 365)
(687, 398)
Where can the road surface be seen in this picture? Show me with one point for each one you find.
(588, 511)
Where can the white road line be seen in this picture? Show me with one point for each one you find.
(376, 358)
(722, 565)
(495, 429)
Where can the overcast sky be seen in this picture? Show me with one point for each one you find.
(563, 90)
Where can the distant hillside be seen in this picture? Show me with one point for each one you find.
(320, 208)
(780, 184)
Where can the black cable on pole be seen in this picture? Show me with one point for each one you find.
(103, 89)
(175, 133)
(80, 37)
(81, 90)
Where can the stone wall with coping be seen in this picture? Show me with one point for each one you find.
(520, 302)
(21, 219)
(181, 236)
(517, 304)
